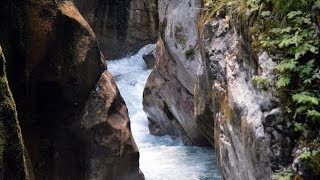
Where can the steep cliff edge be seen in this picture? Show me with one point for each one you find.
(203, 90)
(249, 133)
(54, 64)
(168, 96)
(121, 26)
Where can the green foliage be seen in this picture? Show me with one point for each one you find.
(180, 36)
(285, 174)
(189, 53)
(305, 155)
(311, 159)
(283, 81)
(306, 98)
(261, 81)
(214, 6)
(286, 6)
(299, 127)
(286, 29)
(292, 35)
(314, 162)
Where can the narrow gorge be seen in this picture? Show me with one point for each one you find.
(159, 89)
(160, 157)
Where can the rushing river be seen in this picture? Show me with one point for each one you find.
(161, 158)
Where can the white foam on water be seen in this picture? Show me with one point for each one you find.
(161, 158)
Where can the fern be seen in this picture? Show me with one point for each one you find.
(287, 65)
(306, 98)
(283, 81)
(305, 155)
(289, 31)
(286, 28)
(285, 174)
(306, 70)
(298, 127)
(314, 114)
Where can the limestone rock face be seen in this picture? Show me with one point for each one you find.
(202, 90)
(53, 71)
(121, 26)
(168, 96)
(250, 133)
(241, 142)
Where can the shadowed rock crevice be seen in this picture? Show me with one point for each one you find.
(14, 162)
(122, 26)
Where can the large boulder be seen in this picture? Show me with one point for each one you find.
(53, 69)
(113, 152)
(150, 59)
(121, 26)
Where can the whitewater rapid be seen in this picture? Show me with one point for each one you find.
(161, 158)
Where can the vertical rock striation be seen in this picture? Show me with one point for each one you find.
(168, 96)
(242, 145)
(121, 26)
(251, 135)
(202, 90)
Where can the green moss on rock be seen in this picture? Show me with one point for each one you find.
(179, 36)
(189, 53)
(315, 163)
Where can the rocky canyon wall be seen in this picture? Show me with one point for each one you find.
(249, 131)
(168, 96)
(121, 26)
(74, 122)
(202, 91)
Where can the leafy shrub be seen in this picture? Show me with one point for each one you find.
(261, 81)
(285, 174)
(287, 30)
(298, 72)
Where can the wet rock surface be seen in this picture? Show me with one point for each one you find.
(150, 59)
